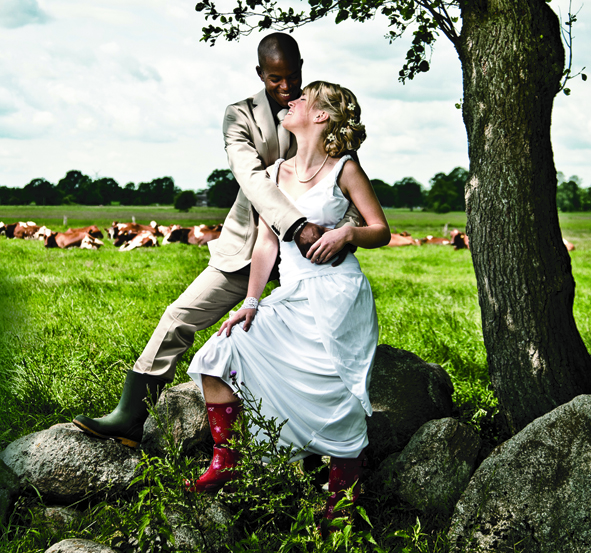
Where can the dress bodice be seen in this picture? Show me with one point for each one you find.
(323, 204)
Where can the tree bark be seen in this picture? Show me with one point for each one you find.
(512, 59)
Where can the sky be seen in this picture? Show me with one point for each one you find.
(125, 89)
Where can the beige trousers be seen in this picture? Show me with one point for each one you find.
(209, 297)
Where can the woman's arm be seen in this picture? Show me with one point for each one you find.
(263, 259)
(356, 186)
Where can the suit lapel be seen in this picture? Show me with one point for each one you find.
(264, 119)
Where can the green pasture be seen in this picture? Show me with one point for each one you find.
(73, 321)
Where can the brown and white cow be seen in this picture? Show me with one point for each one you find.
(26, 230)
(42, 233)
(80, 239)
(459, 240)
(198, 235)
(93, 230)
(9, 230)
(144, 239)
(435, 240)
(125, 230)
(569, 246)
(2, 228)
(402, 239)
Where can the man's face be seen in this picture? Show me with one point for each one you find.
(282, 78)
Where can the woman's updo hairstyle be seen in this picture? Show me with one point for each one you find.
(344, 132)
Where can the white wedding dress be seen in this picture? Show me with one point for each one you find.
(309, 352)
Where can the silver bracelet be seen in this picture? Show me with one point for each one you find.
(250, 303)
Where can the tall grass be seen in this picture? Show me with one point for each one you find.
(73, 321)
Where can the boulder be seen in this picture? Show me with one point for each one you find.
(181, 412)
(533, 492)
(57, 518)
(405, 393)
(9, 488)
(64, 464)
(210, 532)
(79, 546)
(435, 467)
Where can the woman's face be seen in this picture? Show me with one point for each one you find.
(300, 114)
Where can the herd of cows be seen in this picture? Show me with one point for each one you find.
(126, 236)
(129, 236)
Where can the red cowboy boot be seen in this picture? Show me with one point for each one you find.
(221, 469)
(343, 474)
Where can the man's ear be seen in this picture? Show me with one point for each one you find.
(260, 73)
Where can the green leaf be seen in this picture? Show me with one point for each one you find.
(342, 16)
(363, 515)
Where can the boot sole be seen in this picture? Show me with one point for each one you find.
(123, 440)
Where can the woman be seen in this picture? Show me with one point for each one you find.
(307, 349)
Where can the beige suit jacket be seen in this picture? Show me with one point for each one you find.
(250, 135)
(252, 145)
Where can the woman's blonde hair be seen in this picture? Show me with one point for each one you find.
(344, 132)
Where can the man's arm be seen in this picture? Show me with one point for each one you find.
(249, 169)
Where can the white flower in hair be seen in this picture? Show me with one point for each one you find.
(331, 137)
(343, 130)
(351, 106)
(351, 122)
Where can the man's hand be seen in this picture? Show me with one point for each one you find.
(310, 234)
(332, 243)
(342, 254)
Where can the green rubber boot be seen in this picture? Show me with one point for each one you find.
(126, 422)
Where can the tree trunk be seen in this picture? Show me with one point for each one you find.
(512, 59)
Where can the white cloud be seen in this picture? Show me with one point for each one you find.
(110, 48)
(126, 88)
(18, 13)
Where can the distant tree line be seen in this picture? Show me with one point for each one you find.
(446, 192)
(571, 196)
(78, 188)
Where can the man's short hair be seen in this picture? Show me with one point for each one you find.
(278, 45)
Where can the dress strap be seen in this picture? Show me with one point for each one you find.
(339, 167)
(275, 171)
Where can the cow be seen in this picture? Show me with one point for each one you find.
(2, 228)
(402, 239)
(117, 230)
(569, 246)
(9, 230)
(144, 239)
(434, 240)
(41, 233)
(80, 239)
(459, 240)
(25, 230)
(93, 230)
(198, 235)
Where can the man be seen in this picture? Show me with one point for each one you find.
(254, 139)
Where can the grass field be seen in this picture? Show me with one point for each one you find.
(73, 321)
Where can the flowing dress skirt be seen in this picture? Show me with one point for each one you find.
(309, 352)
(308, 357)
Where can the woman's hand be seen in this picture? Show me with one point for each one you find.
(246, 315)
(329, 245)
